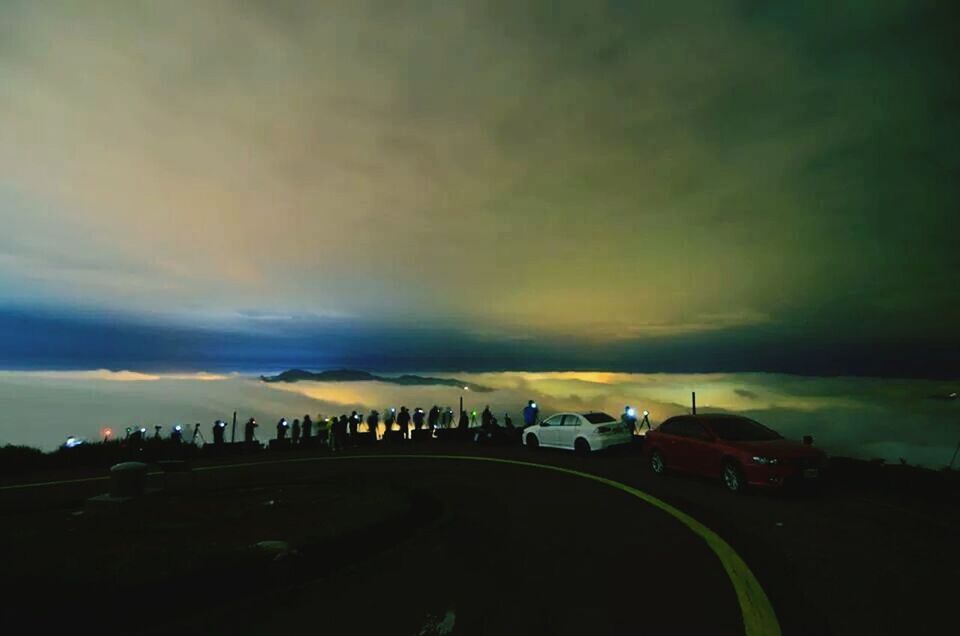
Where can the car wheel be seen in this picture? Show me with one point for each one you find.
(656, 463)
(532, 441)
(733, 477)
(581, 447)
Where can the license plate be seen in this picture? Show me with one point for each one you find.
(811, 473)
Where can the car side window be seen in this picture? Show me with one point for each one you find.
(681, 428)
(570, 420)
(698, 431)
(669, 427)
(553, 421)
(685, 427)
(688, 427)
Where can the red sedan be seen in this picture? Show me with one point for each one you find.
(736, 449)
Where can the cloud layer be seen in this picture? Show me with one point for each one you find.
(847, 416)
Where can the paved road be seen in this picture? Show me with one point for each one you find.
(517, 550)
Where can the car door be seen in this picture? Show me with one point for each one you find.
(678, 448)
(567, 432)
(550, 429)
(703, 454)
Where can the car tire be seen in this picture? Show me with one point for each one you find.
(657, 465)
(532, 441)
(581, 447)
(732, 477)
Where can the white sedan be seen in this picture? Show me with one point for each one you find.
(582, 432)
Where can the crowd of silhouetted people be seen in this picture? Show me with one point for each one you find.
(339, 432)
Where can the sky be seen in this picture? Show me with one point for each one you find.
(543, 184)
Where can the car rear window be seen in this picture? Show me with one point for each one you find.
(598, 418)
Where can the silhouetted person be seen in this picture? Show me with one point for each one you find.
(307, 427)
(473, 418)
(433, 418)
(388, 419)
(485, 417)
(447, 418)
(340, 432)
(156, 432)
(464, 421)
(176, 436)
(333, 425)
(530, 413)
(373, 423)
(354, 423)
(325, 430)
(282, 427)
(248, 430)
(218, 429)
(418, 418)
(295, 433)
(629, 419)
(403, 419)
(507, 421)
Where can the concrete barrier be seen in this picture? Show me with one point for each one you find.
(128, 479)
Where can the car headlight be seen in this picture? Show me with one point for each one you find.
(765, 461)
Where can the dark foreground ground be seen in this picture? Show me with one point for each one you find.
(386, 545)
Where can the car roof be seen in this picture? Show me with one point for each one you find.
(707, 418)
(582, 414)
(712, 416)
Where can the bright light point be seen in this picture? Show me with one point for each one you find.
(72, 442)
(646, 413)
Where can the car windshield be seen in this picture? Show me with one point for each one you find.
(740, 429)
(598, 418)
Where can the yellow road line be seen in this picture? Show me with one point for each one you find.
(759, 618)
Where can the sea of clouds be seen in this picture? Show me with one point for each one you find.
(861, 417)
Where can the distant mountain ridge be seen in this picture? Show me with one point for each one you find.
(354, 375)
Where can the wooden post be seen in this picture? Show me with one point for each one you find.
(694, 397)
(233, 433)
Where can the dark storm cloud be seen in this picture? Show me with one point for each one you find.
(634, 184)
